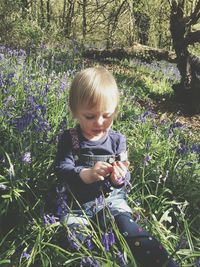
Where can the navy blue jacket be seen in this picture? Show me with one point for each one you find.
(67, 168)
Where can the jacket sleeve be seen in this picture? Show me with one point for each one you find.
(65, 168)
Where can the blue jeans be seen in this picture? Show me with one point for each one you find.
(115, 202)
(148, 252)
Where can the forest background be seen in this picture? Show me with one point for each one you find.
(153, 49)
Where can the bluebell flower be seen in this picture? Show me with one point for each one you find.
(10, 100)
(1, 56)
(23, 122)
(195, 148)
(47, 86)
(198, 262)
(142, 118)
(50, 219)
(89, 243)
(176, 125)
(22, 52)
(182, 149)
(147, 159)
(27, 158)
(73, 240)
(108, 239)
(121, 259)
(111, 237)
(89, 262)
(26, 255)
(105, 241)
(173, 126)
(63, 83)
(100, 200)
(62, 207)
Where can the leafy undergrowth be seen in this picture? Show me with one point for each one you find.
(164, 155)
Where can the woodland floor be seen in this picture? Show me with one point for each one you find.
(169, 108)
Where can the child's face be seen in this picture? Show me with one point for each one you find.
(96, 121)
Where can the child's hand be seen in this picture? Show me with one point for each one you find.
(97, 173)
(119, 172)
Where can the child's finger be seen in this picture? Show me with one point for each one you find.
(122, 168)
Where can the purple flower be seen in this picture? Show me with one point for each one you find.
(121, 259)
(147, 159)
(111, 237)
(23, 122)
(63, 83)
(100, 200)
(176, 125)
(27, 158)
(198, 262)
(62, 207)
(89, 243)
(195, 148)
(1, 56)
(26, 255)
(108, 240)
(105, 241)
(10, 100)
(88, 261)
(142, 118)
(73, 240)
(183, 149)
(50, 219)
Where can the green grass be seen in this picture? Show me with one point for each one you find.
(164, 160)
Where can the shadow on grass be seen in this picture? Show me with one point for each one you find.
(162, 102)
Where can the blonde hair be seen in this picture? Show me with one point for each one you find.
(91, 87)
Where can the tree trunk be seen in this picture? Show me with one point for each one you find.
(64, 13)
(188, 90)
(69, 18)
(142, 22)
(84, 20)
(25, 8)
(48, 13)
(42, 21)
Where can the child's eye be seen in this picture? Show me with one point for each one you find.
(89, 117)
(107, 116)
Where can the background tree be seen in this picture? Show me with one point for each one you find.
(142, 22)
(183, 18)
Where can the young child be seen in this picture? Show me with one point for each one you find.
(92, 164)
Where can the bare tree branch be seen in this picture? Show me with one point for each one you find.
(195, 16)
(192, 37)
